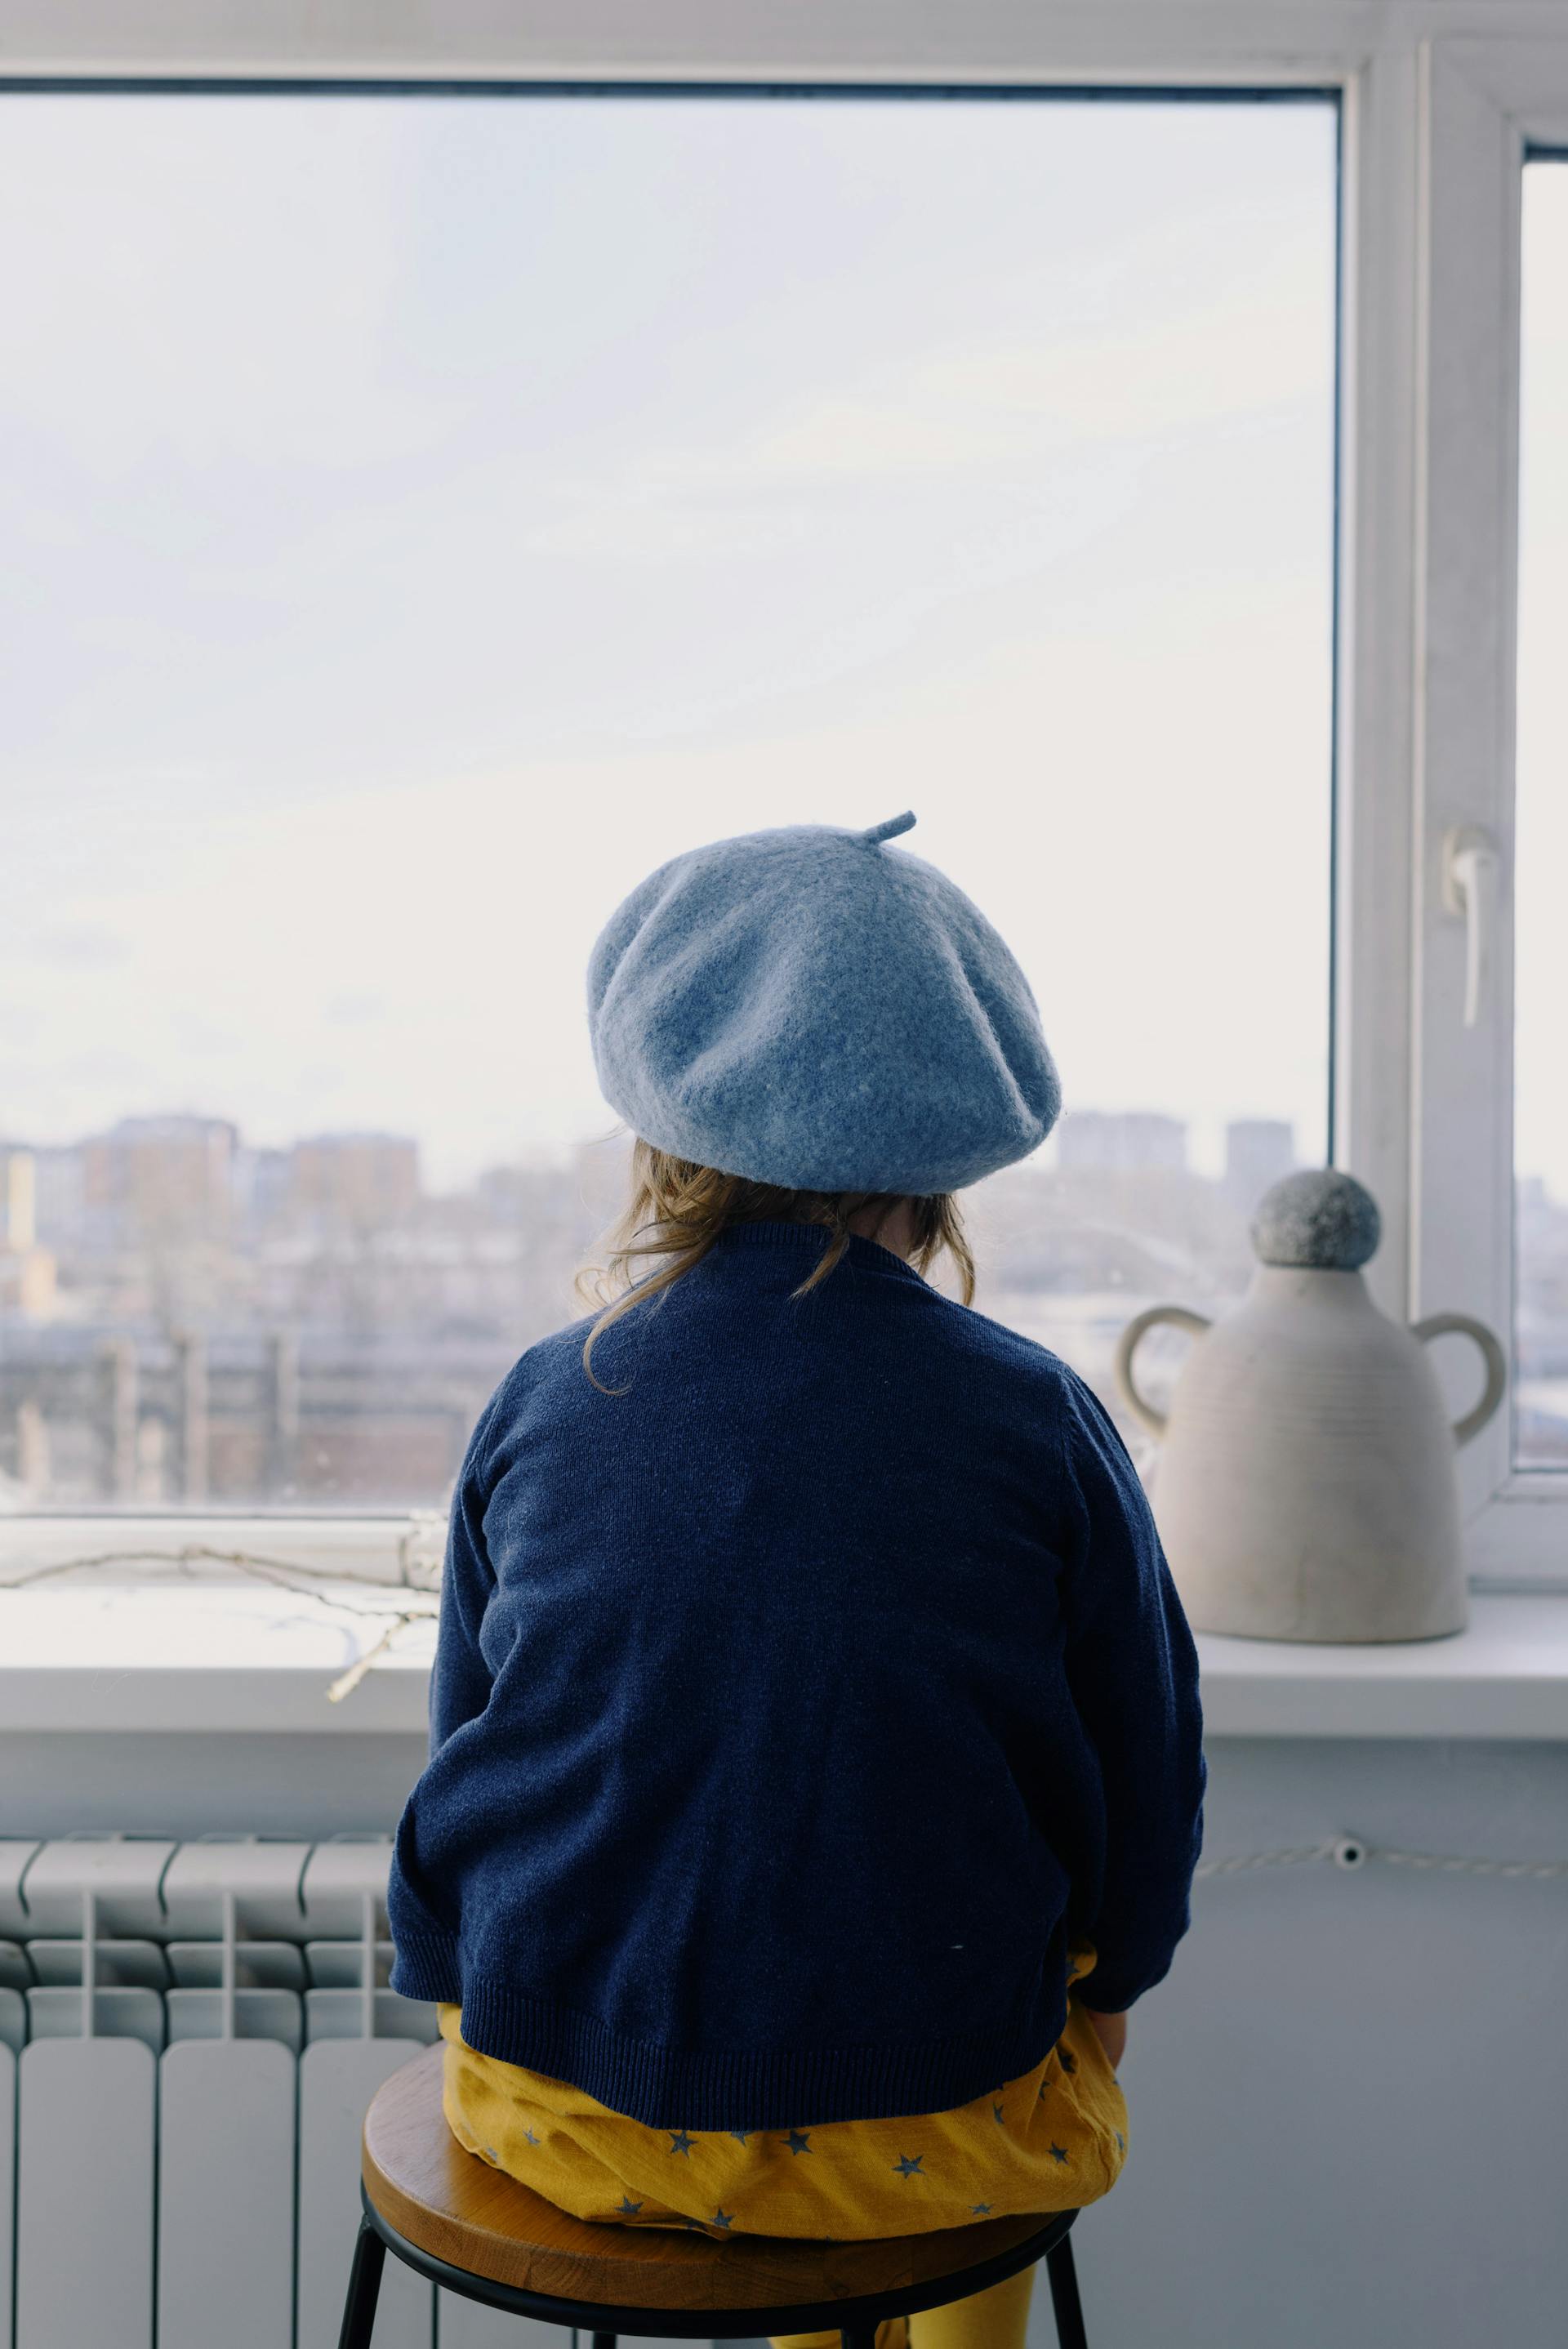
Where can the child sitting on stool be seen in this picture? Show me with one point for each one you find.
(815, 1772)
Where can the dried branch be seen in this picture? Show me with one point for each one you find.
(281, 1574)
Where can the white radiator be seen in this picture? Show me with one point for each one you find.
(185, 2133)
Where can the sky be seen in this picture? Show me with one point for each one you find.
(427, 515)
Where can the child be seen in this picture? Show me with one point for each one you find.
(814, 1724)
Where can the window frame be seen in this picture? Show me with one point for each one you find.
(1437, 107)
(1485, 104)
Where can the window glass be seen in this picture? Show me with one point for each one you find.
(1540, 859)
(426, 514)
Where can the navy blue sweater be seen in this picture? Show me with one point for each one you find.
(793, 1709)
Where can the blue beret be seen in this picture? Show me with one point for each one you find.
(811, 1008)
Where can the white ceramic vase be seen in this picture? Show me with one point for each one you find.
(1306, 1487)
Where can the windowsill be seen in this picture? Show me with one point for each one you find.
(1505, 1675)
(218, 1658)
(211, 1657)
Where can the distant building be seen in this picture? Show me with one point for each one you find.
(263, 1180)
(159, 1176)
(18, 1196)
(1132, 1140)
(59, 1189)
(29, 1281)
(1258, 1151)
(362, 1179)
(27, 1272)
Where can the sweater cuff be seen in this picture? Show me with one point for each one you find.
(1113, 1986)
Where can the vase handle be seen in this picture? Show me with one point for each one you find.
(1126, 1346)
(1438, 1325)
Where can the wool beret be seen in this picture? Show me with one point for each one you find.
(812, 1007)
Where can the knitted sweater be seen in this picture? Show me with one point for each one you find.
(794, 1707)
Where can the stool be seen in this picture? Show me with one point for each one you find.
(473, 2230)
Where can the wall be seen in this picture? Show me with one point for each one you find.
(1347, 2100)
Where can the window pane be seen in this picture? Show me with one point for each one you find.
(1540, 854)
(425, 515)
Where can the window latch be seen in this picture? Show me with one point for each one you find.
(1469, 886)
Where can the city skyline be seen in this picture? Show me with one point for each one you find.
(544, 1160)
(187, 1317)
(1132, 1137)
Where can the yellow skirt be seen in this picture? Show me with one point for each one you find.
(1054, 2139)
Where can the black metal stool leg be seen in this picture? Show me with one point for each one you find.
(364, 2289)
(859, 2336)
(604, 2341)
(1066, 2304)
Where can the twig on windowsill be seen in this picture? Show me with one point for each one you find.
(247, 1561)
(347, 1683)
(282, 1574)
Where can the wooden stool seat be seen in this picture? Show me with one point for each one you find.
(455, 2209)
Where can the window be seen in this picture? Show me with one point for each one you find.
(435, 511)
(1004, 414)
(1540, 1098)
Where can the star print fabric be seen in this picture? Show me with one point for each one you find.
(1053, 2139)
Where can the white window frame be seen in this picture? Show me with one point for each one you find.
(1484, 104)
(1440, 98)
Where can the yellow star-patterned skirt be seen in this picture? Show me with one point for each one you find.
(1054, 2139)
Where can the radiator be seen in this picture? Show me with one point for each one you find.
(190, 2033)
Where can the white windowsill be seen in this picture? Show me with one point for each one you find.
(220, 1659)
(204, 1656)
(1505, 1675)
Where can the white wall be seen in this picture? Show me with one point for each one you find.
(1347, 2100)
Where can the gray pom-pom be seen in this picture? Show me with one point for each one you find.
(1318, 1219)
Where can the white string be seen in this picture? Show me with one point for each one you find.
(1475, 1867)
(1354, 1851)
(1265, 1859)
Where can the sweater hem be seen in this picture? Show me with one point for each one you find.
(696, 2088)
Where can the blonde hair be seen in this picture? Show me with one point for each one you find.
(677, 1210)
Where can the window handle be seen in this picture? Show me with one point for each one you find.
(1470, 882)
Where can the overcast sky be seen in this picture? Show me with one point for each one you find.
(424, 516)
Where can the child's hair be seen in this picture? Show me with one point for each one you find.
(677, 1210)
